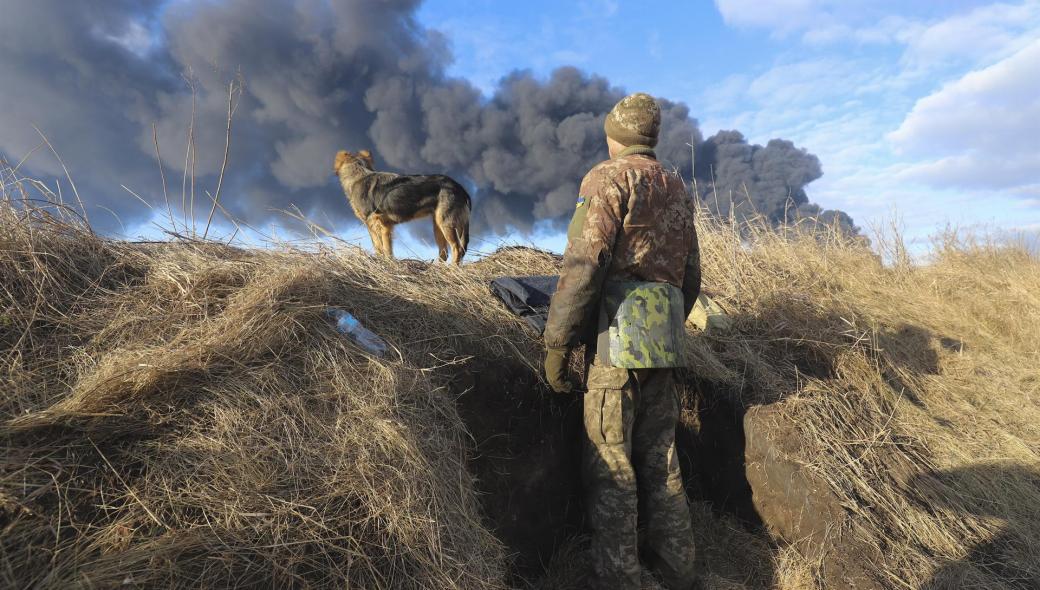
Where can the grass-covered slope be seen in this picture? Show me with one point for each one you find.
(184, 414)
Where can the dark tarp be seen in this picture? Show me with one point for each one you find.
(527, 297)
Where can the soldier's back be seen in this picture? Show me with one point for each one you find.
(658, 225)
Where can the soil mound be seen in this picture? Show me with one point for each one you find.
(185, 414)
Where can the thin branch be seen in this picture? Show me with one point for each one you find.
(187, 155)
(162, 174)
(222, 210)
(239, 224)
(57, 183)
(191, 145)
(146, 203)
(114, 214)
(68, 176)
(315, 229)
(223, 165)
(26, 157)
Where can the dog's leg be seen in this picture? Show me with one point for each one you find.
(453, 225)
(388, 239)
(373, 234)
(438, 236)
(456, 231)
(462, 231)
(381, 238)
(452, 236)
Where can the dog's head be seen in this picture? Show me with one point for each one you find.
(343, 157)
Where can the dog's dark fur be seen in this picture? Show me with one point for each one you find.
(381, 200)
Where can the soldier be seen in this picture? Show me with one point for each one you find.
(631, 274)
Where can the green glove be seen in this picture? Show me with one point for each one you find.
(556, 369)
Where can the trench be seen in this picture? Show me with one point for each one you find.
(527, 457)
(711, 442)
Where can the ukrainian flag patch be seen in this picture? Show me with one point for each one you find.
(581, 201)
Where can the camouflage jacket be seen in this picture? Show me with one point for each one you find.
(634, 222)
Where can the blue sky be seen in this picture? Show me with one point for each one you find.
(922, 112)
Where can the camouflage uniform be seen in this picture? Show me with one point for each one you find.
(634, 222)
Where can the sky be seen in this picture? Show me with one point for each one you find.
(925, 114)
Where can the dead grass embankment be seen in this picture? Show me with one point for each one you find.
(184, 414)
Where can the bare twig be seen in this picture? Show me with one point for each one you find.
(162, 175)
(122, 228)
(191, 143)
(67, 175)
(26, 157)
(137, 196)
(188, 154)
(223, 164)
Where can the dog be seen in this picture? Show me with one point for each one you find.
(381, 200)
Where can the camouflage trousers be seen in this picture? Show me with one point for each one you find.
(630, 464)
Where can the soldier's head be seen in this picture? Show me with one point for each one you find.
(634, 120)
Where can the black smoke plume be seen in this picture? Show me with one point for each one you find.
(748, 181)
(321, 76)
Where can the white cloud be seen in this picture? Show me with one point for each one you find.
(987, 33)
(821, 22)
(887, 30)
(780, 15)
(977, 171)
(829, 105)
(811, 81)
(926, 112)
(980, 130)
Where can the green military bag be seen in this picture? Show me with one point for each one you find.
(641, 325)
(709, 316)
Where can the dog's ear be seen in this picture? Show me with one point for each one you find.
(341, 158)
(367, 157)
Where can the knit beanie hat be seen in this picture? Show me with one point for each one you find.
(634, 120)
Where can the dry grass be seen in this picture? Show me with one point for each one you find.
(914, 390)
(183, 414)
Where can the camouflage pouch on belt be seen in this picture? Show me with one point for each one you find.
(644, 325)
